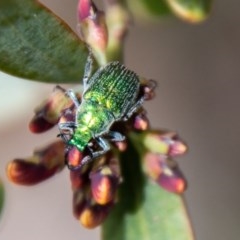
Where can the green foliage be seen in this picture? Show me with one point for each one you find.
(148, 9)
(156, 8)
(36, 45)
(202, 5)
(193, 11)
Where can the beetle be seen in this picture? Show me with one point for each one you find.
(111, 94)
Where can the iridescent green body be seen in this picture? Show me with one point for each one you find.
(110, 95)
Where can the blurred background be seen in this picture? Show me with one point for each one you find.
(198, 72)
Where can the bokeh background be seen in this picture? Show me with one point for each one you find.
(198, 73)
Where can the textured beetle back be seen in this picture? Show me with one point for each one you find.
(115, 87)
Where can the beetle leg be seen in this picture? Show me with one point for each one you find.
(84, 161)
(103, 143)
(87, 71)
(67, 126)
(149, 86)
(150, 83)
(57, 87)
(115, 136)
(134, 108)
(73, 97)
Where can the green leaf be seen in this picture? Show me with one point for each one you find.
(158, 7)
(149, 8)
(36, 45)
(145, 211)
(1, 196)
(193, 11)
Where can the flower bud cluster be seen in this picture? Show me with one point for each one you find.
(94, 190)
(159, 164)
(95, 184)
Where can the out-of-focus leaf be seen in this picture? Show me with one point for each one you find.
(193, 11)
(144, 211)
(1, 196)
(148, 8)
(158, 7)
(36, 45)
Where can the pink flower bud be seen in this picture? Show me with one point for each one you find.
(172, 180)
(85, 9)
(93, 29)
(141, 122)
(166, 143)
(165, 172)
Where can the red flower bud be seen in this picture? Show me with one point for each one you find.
(43, 164)
(104, 185)
(25, 172)
(78, 180)
(39, 124)
(48, 113)
(93, 215)
(74, 157)
(79, 203)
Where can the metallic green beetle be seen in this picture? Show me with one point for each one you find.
(110, 95)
